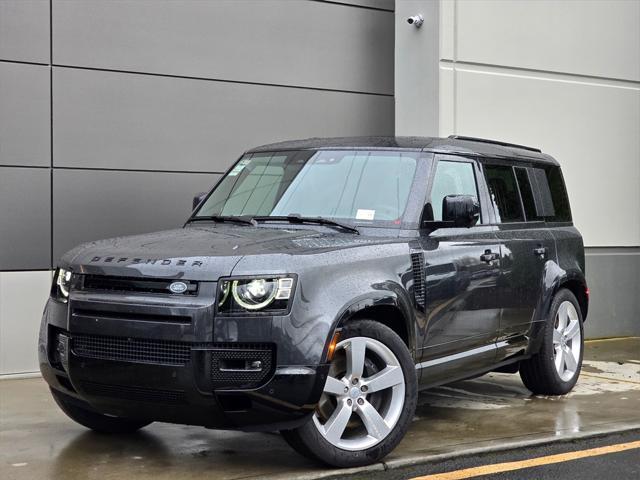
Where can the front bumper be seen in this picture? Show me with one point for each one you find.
(144, 358)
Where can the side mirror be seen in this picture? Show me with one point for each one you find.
(461, 210)
(198, 199)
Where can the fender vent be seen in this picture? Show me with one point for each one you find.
(417, 267)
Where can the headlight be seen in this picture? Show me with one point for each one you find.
(255, 294)
(61, 285)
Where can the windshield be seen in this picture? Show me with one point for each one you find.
(361, 187)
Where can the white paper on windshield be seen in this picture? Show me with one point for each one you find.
(364, 214)
(239, 167)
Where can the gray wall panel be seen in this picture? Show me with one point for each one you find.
(383, 4)
(25, 220)
(25, 118)
(613, 276)
(90, 205)
(302, 43)
(24, 30)
(118, 120)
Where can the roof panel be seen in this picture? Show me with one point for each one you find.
(482, 148)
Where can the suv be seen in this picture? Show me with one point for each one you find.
(318, 287)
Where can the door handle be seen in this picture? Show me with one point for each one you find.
(540, 251)
(488, 256)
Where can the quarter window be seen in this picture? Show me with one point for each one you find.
(558, 195)
(528, 198)
(504, 193)
(451, 178)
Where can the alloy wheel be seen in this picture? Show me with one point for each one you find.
(363, 397)
(567, 341)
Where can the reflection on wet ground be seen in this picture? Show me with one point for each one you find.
(37, 440)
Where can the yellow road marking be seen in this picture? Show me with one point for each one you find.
(610, 339)
(531, 462)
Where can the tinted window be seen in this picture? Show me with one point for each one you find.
(504, 193)
(451, 178)
(558, 195)
(361, 186)
(544, 202)
(528, 198)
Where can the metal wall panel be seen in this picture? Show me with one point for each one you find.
(25, 218)
(613, 276)
(91, 205)
(595, 38)
(117, 120)
(313, 44)
(24, 30)
(382, 4)
(25, 115)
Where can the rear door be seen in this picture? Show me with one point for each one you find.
(462, 269)
(525, 247)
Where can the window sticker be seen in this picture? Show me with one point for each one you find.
(239, 167)
(364, 214)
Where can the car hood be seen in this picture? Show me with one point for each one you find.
(201, 252)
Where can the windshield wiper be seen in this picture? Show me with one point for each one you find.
(224, 218)
(293, 218)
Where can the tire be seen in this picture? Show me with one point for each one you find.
(545, 373)
(361, 418)
(94, 420)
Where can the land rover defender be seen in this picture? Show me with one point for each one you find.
(318, 287)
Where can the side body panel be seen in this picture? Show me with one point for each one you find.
(525, 250)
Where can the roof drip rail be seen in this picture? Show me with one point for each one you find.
(494, 142)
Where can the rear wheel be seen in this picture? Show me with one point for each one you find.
(368, 402)
(555, 369)
(94, 420)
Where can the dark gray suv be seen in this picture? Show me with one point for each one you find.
(321, 285)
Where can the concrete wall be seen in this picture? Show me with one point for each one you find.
(565, 77)
(114, 114)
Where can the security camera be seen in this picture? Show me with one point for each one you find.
(416, 20)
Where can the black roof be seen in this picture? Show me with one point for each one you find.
(454, 144)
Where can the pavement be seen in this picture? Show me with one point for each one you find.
(465, 420)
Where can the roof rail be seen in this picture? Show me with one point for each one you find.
(494, 142)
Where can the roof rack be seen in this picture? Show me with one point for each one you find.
(494, 142)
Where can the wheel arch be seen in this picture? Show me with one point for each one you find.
(555, 280)
(391, 311)
(579, 289)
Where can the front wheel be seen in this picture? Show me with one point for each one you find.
(554, 370)
(368, 401)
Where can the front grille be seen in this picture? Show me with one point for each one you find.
(136, 394)
(139, 285)
(417, 267)
(132, 349)
(241, 365)
(232, 364)
(142, 317)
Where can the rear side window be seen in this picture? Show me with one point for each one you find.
(504, 193)
(559, 197)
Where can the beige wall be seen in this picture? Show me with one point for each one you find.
(560, 75)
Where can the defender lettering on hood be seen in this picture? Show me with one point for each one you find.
(148, 261)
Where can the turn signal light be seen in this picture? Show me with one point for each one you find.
(332, 345)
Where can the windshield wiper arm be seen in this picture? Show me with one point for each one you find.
(316, 220)
(225, 218)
